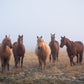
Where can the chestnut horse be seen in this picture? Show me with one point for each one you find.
(54, 45)
(42, 51)
(19, 51)
(73, 49)
(5, 52)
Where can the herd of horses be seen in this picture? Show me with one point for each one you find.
(43, 51)
(5, 51)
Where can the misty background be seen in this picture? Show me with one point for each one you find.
(34, 18)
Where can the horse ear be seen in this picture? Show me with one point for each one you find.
(22, 35)
(37, 37)
(64, 36)
(41, 36)
(54, 34)
(18, 35)
(6, 36)
(51, 34)
(61, 36)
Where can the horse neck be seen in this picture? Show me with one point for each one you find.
(3, 46)
(68, 43)
(53, 40)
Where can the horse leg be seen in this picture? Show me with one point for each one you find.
(57, 56)
(44, 65)
(71, 60)
(22, 61)
(8, 65)
(19, 60)
(77, 58)
(15, 59)
(2, 64)
(50, 57)
(16, 62)
(5, 62)
(81, 57)
(2, 68)
(40, 64)
(54, 57)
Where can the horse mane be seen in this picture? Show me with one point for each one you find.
(3, 43)
(69, 43)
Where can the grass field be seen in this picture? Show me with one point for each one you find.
(60, 73)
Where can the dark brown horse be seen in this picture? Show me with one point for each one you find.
(19, 51)
(54, 45)
(73, 49)
(5, 52)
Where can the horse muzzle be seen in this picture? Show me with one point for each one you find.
(39, 48)
(61, 46)
(10, 46)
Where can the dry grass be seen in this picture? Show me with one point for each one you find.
(60, 71)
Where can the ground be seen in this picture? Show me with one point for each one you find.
(59, 73)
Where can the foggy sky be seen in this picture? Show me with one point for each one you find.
(41, 17)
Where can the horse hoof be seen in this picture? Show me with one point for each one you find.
(74, 63)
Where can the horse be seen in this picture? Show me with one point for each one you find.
(19, 51)
(54, 45)
(5, 52)
(73, 49)
(42, 51)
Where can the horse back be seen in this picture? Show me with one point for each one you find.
(79, 46)
(76, 47)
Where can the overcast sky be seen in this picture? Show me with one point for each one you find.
(41, 17)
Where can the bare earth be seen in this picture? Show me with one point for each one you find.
(59, 73)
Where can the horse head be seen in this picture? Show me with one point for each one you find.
(7, 41)
(52, 37)
(63, 41)
(39, 42)
(20, 40)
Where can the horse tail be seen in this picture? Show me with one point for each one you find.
(50, 58)
(81, 55)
